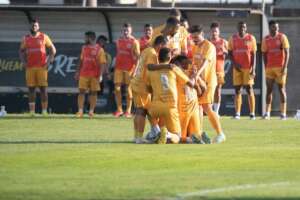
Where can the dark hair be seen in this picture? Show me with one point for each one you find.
(148, 26)
(175, 12)
(32, 21)
(241, 22)
(171, 21)
(196, 29)
(273, 22)
(179, 59)
(102, 37)
(215, 25)
(164, 54)
(91, 34)
(160, 40)
(127, 25)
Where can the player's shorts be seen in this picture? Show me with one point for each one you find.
(122, 76)
(242, 78)
(190, 121)
(141, 100)
(37, 77)
(208, 96)
(89, 83)
(169, 116)
(275, 73)
(221, 78)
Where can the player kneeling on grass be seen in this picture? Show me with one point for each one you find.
(92, 60)
(164, 104)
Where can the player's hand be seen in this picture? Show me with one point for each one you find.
(172, 66)
(252, 73)
(76, 76)
(284, 71)
(237, 66)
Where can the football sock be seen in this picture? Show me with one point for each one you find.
(238, 103)
(32, 107)
(214, 121)
(80, 101)
(119, 100)
(283, 109)
(268, 109)
(251, 99)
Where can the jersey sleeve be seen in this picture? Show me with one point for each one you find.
(230, 44)
(254, 46)
(209, 52)
(23, 44)
(151, 59)
(102, 56)
(285, 42)
(48, 41)
(180, 75)
(136, 47)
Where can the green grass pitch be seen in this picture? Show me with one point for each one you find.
(63, 158)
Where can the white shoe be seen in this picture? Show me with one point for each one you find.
(140, 140)
(219, 138)
(236, 117)
(283, 117)
(266, 117)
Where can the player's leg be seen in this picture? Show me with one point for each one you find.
(217, 98)
(282, 92)
(118, 79)
(251, 100)
(128, 100)
(184, 118)
(139, 124)
(82, 88)
(172, 122)
(44, 99)
(237, 83)
(94, 87)
(269, 97)
(31, 84)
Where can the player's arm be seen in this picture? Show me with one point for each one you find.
(225, 49)
(230, 55)
(52, 50)
(79, 65)
(253, 57)
(182, 77)
(22, 53)
(153, 67)
(102, 61)
(286, 47)
(264, 51)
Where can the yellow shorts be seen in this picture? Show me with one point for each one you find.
(275, 73)
(122, 76)
(37, 77)
(89, 83)
(221, 78)
(190, 122)
(242, 78)
(168, 116)
(208, 96)
(141, 100)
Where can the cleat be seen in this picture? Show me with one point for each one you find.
(173, 138)
(79, 115)
(152, 137)
(236, 116)
(91, 115)
(266, 117)
(196, 140)
(140, 140)
(163, 136)
(252, 117)
(283, 117)
(219, 139)
(118, 114)
(127, 115)
(205, 138)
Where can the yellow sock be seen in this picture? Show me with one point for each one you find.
(238, 103)
(214, 121)
(118, 100)
(252, 103)
(201, 119)
(283, 108)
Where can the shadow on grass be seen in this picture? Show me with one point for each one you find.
(65, 142)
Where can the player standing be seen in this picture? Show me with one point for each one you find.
(33, 55)
(128, 51)
(92, 62)
(242, 53)
(276, 53)
(146, 38)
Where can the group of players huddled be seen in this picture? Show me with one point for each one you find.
(173, 75)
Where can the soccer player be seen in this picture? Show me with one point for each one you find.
(242, 53)
(171, 29)
(145, 40)
(190, 43)
(141, 97)
(128, 51)
(222, 51)
(165, 97)
(275, 48)
(33, 55)
(204, 59)
(92, 62)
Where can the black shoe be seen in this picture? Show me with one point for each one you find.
(205, 138)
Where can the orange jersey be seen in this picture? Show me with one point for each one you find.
(274, 48)
(222, 50)
(242, 48)
(91, 58)
(126, 48)
(190, 46)
(164, 85)
(36, 49)
(144, 43)
(206, 51)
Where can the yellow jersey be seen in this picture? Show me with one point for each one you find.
(138, 82)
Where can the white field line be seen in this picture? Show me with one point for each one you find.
(227, 189)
